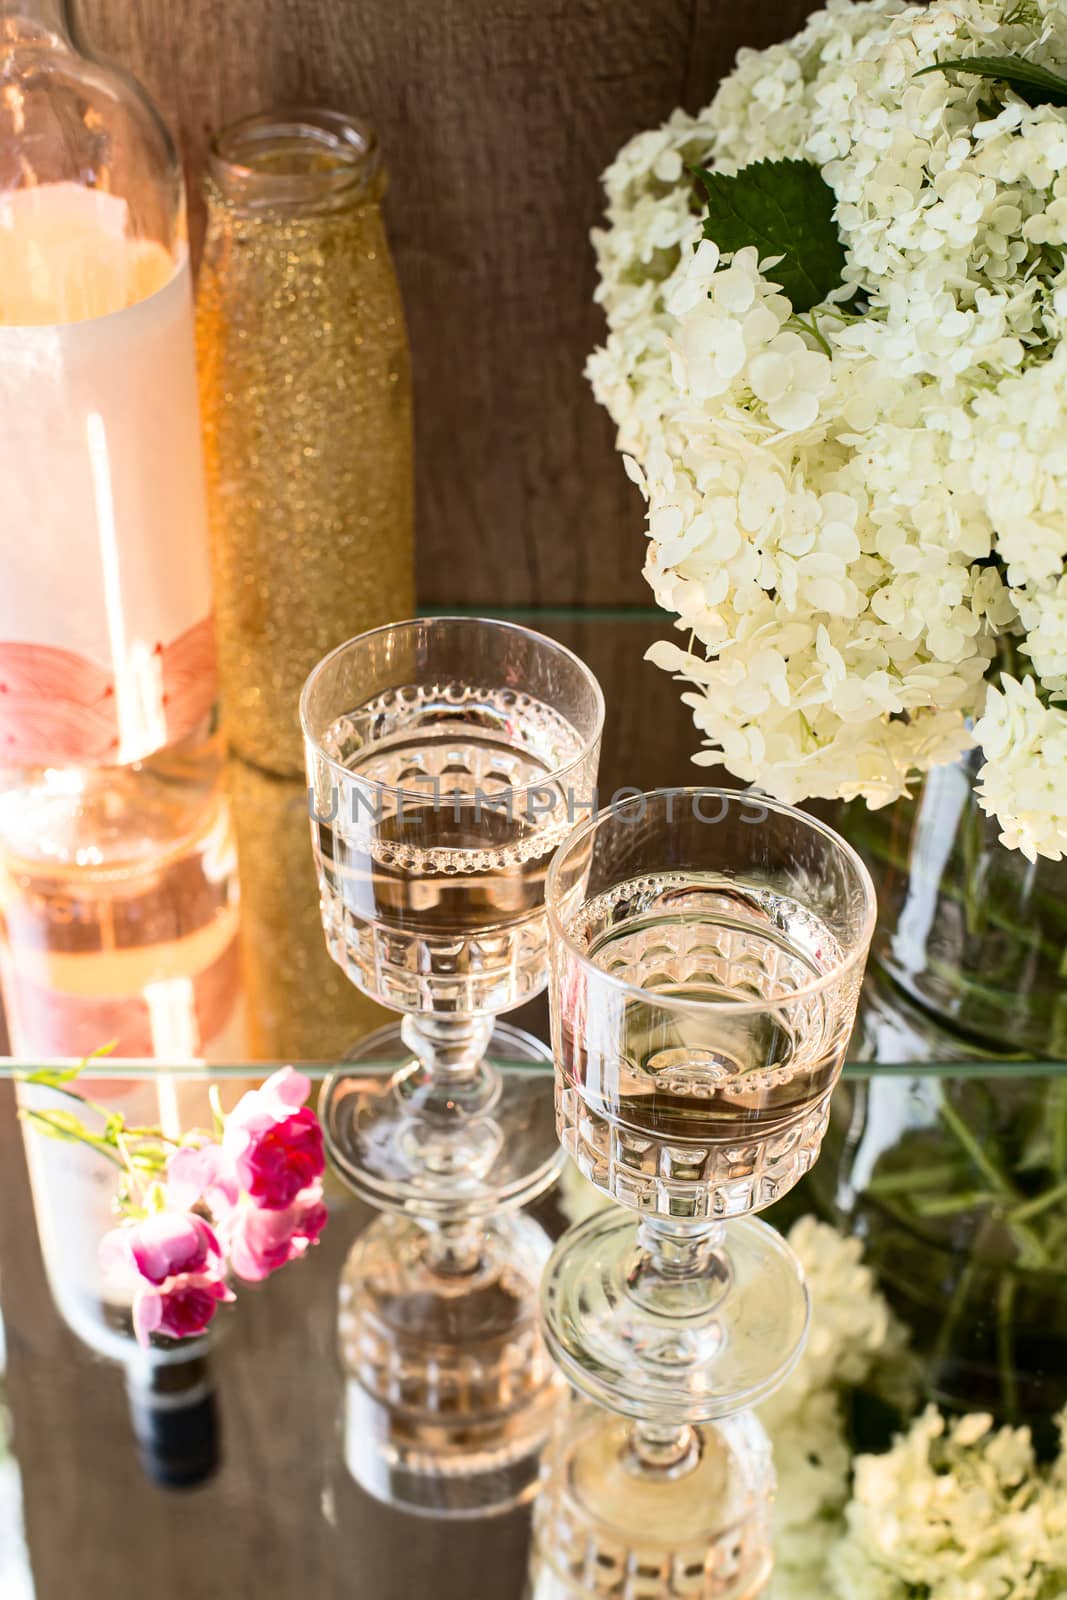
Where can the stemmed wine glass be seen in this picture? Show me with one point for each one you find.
(447, 758)
(708, 949)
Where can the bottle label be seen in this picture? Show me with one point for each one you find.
(177, 1017)
(106, 643)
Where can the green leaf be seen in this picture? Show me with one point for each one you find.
(784, 208)
(1034, 84)
(51, 1077)
(57, 1077)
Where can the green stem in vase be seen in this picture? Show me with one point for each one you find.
(950, 1205)
(983, 1159)
(886, 853)
(975, 901)
(917, 1178)
(1029, 1245)
(1058, 1114)
(1040, 1203)
(957, 1305)
(1009, 1386)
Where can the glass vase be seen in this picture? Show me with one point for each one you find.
(958, 1181)
(958, 1185)
(971, 935)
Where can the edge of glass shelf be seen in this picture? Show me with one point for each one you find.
(104, 1067)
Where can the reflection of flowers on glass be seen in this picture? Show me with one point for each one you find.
(954, 1508)
(243, 1199)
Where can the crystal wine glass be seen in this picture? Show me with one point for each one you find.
(446, 759)
(450, 1394)
(708, 951)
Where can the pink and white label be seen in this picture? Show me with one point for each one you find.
(106, 647)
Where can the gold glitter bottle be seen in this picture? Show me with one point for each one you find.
(306, 397)
(305, 387)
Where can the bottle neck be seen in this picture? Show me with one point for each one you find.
(306, 162)
(44, 19)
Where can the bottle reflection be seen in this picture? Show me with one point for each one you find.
(174, 1415)
(169, 1387)
(449, 1392)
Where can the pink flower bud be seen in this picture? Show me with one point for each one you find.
(201, 1172)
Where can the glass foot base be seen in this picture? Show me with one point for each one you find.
(449, 1395)
(673, 1350)
(607, 1525)
(399, 1158)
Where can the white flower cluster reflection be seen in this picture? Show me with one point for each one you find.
(955, 1510)
(853, 1341)
(850, 512)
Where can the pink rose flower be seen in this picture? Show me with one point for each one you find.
(181, 1308)
(260, 1241)
(274, 1141)
(201, 1173)
(165, 1245)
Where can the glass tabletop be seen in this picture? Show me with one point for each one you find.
(932, 1230)
(240, 1469)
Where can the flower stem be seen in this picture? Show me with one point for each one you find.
(917, 1177)
(1005, 1322)
(984, 1160)
(56, 1129)
(1028, 1243)
(1042, 1202)
(946, 1333)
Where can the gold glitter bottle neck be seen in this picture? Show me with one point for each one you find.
(301, 162)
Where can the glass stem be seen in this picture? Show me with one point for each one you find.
(662, 1450)
(681, 1249)
(681, 1270)
(452, 1079)
(454, 1249)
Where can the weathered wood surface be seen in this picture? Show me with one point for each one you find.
(497, 117)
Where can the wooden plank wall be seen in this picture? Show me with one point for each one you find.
(496, 117)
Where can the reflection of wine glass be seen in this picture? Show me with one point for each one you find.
(708, 950)
(449, 1393)
(445, 759)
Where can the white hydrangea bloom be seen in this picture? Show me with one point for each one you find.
(1022, 781)
(954, 1512)
(849, 513)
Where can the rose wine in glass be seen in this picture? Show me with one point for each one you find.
(446, 758)
(708, 948)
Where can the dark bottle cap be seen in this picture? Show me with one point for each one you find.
(174, 1417)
